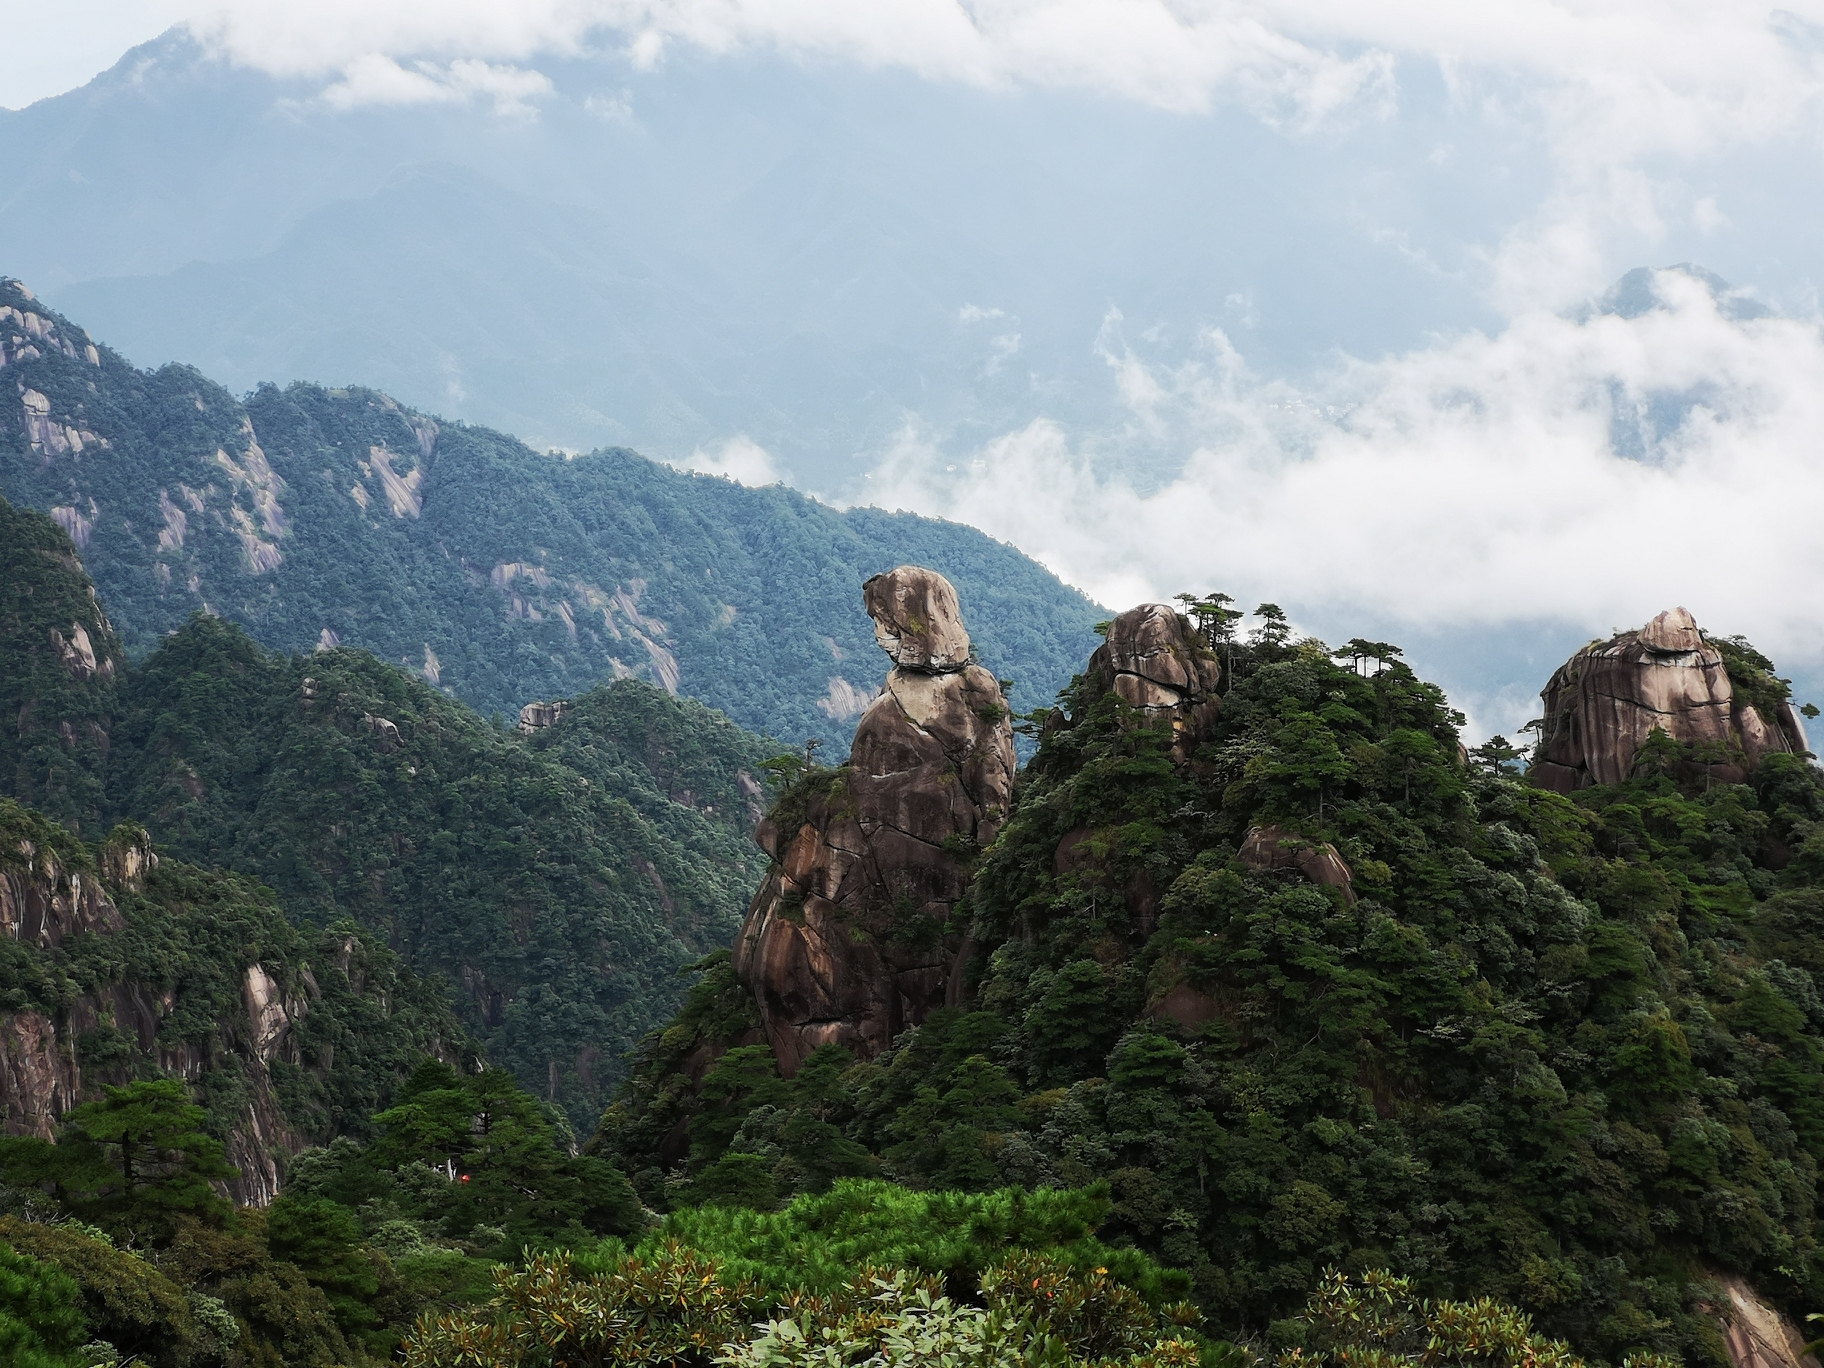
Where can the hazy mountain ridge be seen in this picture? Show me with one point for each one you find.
(316, 516)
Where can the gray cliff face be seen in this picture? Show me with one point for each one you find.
(41, 1076)
(848, 941)
(1603, 703)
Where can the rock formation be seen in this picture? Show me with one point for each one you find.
(1755, 1333)
(848, 941)
(1153, 661)
(537, 716)
(42, 902)
(1605, 701)
(1273, 847)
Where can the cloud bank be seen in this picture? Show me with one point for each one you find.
(1619, 95)
(1589, 470)
(1614, 77)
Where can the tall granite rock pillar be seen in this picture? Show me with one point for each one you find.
(1607, 698)
(849, 940)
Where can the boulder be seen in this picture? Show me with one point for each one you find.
(1154, 662)
(916, 619)
(1267, 847)
(537, 716)
(848, 940)
(1605, 701)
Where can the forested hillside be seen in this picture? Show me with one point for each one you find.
(555, 882)
(496, 573)
(117, 965)
(1326, 992)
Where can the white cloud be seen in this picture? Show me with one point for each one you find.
(1613, 76)
(740, 459)
(1610, 90)
(375, 79)
(611, 108)
(1477, 483)
(1708, 218)
(1172, 55)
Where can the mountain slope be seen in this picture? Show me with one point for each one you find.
(1324, 991)
(314, 516)
(118, 965)
(556, 881)
(59, 665)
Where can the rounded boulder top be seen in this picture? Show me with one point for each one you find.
(916, 619)
(1673, 632)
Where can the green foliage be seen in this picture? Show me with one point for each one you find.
(125, 1301)
(678, 1306)
(1536, 1058)
(467, 1163)
(322, 1241)
(1376, 1319)
(1032, 1312)
(1751, 676)
(189, 940)
(279, 1315)
(816, 1241)
(558, 882)
(674, 1308)
(56, 701)
(41, 1324)
(138, 1161)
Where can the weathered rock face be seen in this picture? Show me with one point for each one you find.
(1153, 661)
(847, 941)
(41, 1077)
(1272, 847)
(1755, 1333)
(1605, 701)
(916, 619)
(537, 716)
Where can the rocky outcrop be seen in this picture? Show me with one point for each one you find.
(1268, 847)
(1154, 662)
(1607, 699)
(849, 941)
(1755, 1333)
(44, 900)
(537, 716)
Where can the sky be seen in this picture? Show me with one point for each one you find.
(1513, 463)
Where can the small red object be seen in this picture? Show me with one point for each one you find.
(465, 1177)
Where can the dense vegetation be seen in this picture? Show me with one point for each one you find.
(166, 991)
(1568, 1053)
(460, 1169)
(52, 752)
(556, 882)
(1562, 1053)
(503, 574)
(557, 901)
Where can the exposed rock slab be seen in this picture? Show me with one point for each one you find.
(537, 716)
(1604, 702)
(848, 941)
(1266, 847)
(1756, 1334)
(1153, 661)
